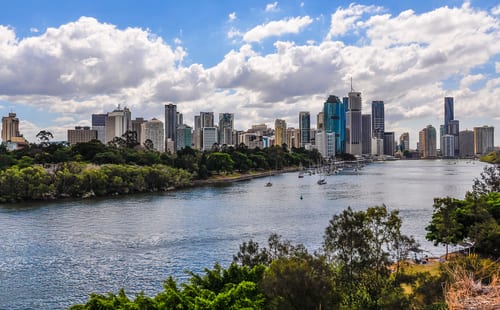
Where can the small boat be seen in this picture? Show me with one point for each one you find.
(269, 184)
(321, 181)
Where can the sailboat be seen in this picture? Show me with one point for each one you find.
(269, 183)
(322, 177)
(301, 171)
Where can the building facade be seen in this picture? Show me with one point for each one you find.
(378, 119)
(153, 130)
(427, 142)
(389, 143)
(335, 121)
(484, 140)
(448, 146)
(280, 132)
(466, 141)
(118, 123)
(353, 135)
(366, 126)
(10, 127)
(170, 127)
(184, 136)
(404, 142)
(226, 128)
(81, 135)
(304, 128)
(99, 125)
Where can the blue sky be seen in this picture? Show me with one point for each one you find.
(61, 61)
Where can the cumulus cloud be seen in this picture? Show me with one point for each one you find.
(270, 7)
(277, 28)
(232, 16)
(496, 10)
(344, 20)
(87, 67)
(34, 29)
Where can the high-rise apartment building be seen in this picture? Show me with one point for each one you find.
(325, 143)
(209, 138)
(137, 128)
(118, 123)
(304, 128)
(366, 127)
(184, 136)
(279, 132)
(99, 125)
(353, 135)
(404, 142)
(449, 113)
(448, 146)
(81, 135)
(170, 127)
(378, 119)
(389, 143)
(320, 120)
(335, 121)
(484, 139)
(205, 119)
(427, 142)
(10, 127)
(466, 141)
(153, 130)
(226, 128)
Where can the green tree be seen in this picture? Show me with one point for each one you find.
(218, 161)
(44, 136)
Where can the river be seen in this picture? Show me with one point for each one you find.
(52, 255)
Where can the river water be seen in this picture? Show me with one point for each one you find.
(52, 255)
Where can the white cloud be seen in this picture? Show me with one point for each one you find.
(34, 29)
(232, 16)
(302, 4)
(344, 20)
(272, 7)
(177, 41)
(468, 80)
(277, 28)
(497, 67)
(234, 33)
(496, 10)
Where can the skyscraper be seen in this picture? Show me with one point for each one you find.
(334, 121)
(226, 127)
(184, 136)
(304, 128)
(484, 139)
(389, 143)
(378, 119)
(118, 123)
(10, 127)
(279, 132)
(153, 131)
(366, 147)
(427, 142)
(448, 146)
(170, 126)
(99, 125)
(404, 142)
(466, 141)
(448, 112)
(137, 128)
(353, 124)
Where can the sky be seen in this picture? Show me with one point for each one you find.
(61, 61)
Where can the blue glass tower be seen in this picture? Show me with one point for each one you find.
(334, 113)
(448, 112)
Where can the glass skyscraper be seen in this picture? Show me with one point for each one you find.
(171, 125)
(305, 128)
(334, 121)
(448, 112)
(378, 119)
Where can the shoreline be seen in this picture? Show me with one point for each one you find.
(221, 179)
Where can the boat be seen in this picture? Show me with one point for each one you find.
(269, 183)
(321, 181)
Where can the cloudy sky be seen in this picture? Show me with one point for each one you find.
(61, 61)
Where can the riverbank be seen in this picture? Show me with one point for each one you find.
(236, 177)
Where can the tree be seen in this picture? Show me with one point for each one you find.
(44, 136)
(359, 245)
(130, 139)
(220, 162)
(489, 182)
(148, 145)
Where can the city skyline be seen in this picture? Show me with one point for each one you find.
(260, 60)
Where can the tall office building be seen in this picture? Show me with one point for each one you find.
(205, 119)
(448, 111)
(353, 127)
(99, 125)
(209, 138)
(118, 123)
(137, 128)
(389, 143)
(366, 127)
(184, 136)
(448, 146)
(484, 139)
(292, 137)
(378, 119)
(154, 131)
(170, 127)
(81, 135)
(226, 128)
(466, 141)
(335, 121)
(10, 127)
(304, 128)
(427, 142)
(279, 132)
(404, 142)
(320, 120)
(453, 129)
(325, 143)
